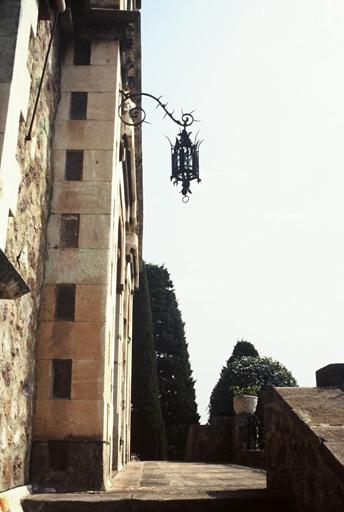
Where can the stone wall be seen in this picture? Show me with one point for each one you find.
(25, 247)
(210, 443)
(82, 406)
(304, 446)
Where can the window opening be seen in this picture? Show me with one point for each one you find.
(69, 231)
(82, 53)
(78, 105)
(74, 165)
(62, 379)
(65, 302)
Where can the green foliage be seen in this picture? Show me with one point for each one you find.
(245, 372)
(148, 429)
(243, 349)
(176, 385)
(245, 390)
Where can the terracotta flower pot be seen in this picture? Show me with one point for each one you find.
(245, 404)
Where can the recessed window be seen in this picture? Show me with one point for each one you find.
(69, 231)
(78, 105)
(58, 455)
(65, 302)
(74, 165)
(82, 53)
(62, 378)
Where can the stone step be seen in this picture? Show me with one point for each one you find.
(258, 500)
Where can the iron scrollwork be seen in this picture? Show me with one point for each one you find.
(184, 153)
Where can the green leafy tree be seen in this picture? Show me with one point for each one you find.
(148, 428)
(244, 372)
(176, 385)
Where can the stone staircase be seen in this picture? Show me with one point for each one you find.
(171, 487)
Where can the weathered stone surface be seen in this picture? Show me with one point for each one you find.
(90, 294)
(85, 295)
(71, 340)
(25, 247)
(80, 197)
(88, 379)
(80, 134)
(104, 53)
(94, 231)
(97, 165)
(79, 266)
(305, 446)
(210, 443)
(61, 419)
(101, 106)
(89, 78)
(86, 455)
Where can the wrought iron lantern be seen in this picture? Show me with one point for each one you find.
(184, 153)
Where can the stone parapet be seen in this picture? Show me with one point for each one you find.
(210, 443)
(304, 445)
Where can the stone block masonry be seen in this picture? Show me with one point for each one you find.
(71, 241)
(84, 353)
(25, 237)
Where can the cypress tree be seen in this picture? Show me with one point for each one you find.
(176, 385)
(148, 429)
(243, 349)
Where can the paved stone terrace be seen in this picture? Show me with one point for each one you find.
(171, 487)
(186, 478)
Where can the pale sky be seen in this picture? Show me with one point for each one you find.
(258, 252)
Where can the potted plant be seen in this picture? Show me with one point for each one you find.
(245, 399)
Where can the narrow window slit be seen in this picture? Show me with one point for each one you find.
(69, 231)
(74, 165)
(65, 302)
(82, 52)
(62, 379)
(78, 105)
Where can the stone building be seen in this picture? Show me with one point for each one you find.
(70, 239)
